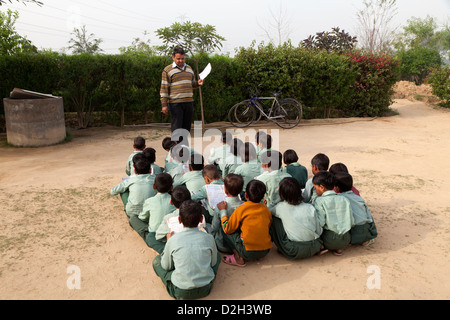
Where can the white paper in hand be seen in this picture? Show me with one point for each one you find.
(205, 72)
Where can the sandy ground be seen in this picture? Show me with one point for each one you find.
(56, 211)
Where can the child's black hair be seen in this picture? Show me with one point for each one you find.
(141, 164)
(211, 171)
(139, 143)
(266, 141)
(235, 146)
(150, 153)
(179, 195)
(324, 178)
(248, 152)
(226, 137)
(180, 153)
(167, 143)
(273, 158)
(290, 191)
(255, 191)
(197, 162)
(344, 181)
(321, 161)
(338, 167)
(234, 184)
(190, 213)
(163, 182)
(290, 156)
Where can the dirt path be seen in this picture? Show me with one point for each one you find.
(56, 211)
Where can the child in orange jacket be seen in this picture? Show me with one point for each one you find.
(246, 231)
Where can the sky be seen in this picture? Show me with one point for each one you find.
(118, 22)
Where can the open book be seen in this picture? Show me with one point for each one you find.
(216, 194)
(175, 226)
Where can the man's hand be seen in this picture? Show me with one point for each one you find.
(165, 110)
(201, 81)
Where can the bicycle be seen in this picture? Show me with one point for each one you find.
(286, 113)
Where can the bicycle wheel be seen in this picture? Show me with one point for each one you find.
(288, 114)
(242, 114)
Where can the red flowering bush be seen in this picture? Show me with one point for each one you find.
(373, 88)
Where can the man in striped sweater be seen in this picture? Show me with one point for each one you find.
(178, 82)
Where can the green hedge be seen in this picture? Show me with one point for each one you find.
(126, 87)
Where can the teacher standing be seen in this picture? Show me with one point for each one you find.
(177, 92)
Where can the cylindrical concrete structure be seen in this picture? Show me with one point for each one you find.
(34, 122)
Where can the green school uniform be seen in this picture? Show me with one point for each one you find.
(218, 154)
(232, 204)
(193, 180)
(299, 172)
(249, 171)
(154, 210)
(259, 152)
(364, 228)
(272, 181)
(229, 164)
(140, 188)
(176, 170)
(309, 192)
(129, 169)
(296, 230)
(190, 261)
(336, 218)
(156, 169)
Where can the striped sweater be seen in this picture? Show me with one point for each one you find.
(177, 84)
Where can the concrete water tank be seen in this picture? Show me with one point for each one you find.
(33, 119)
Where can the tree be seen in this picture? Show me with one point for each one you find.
(139, 46)
(10, 41)
(334, 41)
(376, 30)
(425, 33)
(194, 38)
(84, 43)
(278, 24)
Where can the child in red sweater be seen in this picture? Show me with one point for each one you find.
(246, 231)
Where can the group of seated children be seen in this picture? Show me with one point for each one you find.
(171, 207)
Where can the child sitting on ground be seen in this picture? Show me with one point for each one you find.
(139, 146)
(264, 142)
(272, 176)
(179, 159)
(153, 212)
(233, 159)
(295, 169)
(167, 145)
(211, 175)
(319, 162)
(246, 231)
(334, 212)
(233, 185)
(219, 153)
(137, 188)
(364, 231)
(193, 180)
(295, 227)
(250, 168)
(189, 262)
(150, 153)
(178, 196)
(340, 167)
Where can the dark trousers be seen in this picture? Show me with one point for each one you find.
(181, 118)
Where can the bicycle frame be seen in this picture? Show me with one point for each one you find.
(260, 106)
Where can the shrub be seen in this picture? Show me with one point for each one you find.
(416, 63)
(372, 91)
(440, 82)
